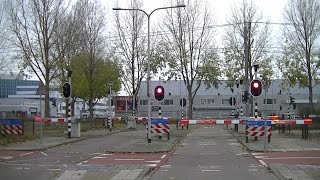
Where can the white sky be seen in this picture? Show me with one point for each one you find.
(271, 10)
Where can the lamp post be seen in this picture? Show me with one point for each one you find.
(148, 68)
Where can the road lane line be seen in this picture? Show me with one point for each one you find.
(106, 154)
(99, 157)
(54, 169)
(151, 165)
(129, 159)
(210, 170)
(263, 163)
(157, 161)
(80, 163)
(24, 154)
(293, 158)
(261, 157)
(255, 154)
(44, 154)
(6, 157)
(163, 156)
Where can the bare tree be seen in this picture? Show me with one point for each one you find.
(131, 47)
(89, 17)
(187, 48)
(33, 23)
(300, 63)
(247, 16)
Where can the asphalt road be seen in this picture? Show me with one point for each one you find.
(50, 163)
(211, 153)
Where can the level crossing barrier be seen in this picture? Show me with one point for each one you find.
(304, 123)
(160, 126)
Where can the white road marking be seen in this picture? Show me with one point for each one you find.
(129, 159)
(261, 157)
(240, 154)
(253, 170)
(165, 170)
(106, 154)
(163, 156)
(210, 170)
(153, 161)
(151, 165)
(166, 166)
(54, 169)
(67, 156)
(232, 140)
(44, 154)
(21, 168)
(255, 154)
(99, 157)
(235, 144)
(26, 154)
(294, 158)
(263, 163)
(207, 144)
(83, 162)
(6, 157)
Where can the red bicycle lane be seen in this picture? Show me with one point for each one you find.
(290, 157)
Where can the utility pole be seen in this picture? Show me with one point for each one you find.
(246, 61)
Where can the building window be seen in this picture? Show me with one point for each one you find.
(225, 101)
(168, 102)
(143, 102)
(207, 101)
(269, 101)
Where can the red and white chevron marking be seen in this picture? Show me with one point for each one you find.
(12, 129)
(257, 131)
(160, 128)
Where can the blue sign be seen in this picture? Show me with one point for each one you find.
(160, 121)
(257, 123)
(11, 121)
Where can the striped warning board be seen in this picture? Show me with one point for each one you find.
(257, 131)
(160, 128)
(12, 126)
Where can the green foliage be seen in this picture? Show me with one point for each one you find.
(91, 78)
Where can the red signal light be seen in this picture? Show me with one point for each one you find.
(159, 93)
(256, 87)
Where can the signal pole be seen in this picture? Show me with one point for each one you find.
(68, 101)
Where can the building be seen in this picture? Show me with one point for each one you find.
(23, 96)
(9, 83)
(215, 102)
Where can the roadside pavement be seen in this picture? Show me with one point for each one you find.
(285, 142)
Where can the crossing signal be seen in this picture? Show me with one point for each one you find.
(66, 90)
(159, 93)
(255, 87)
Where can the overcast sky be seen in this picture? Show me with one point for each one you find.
(271, 11)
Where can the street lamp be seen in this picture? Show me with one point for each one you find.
(148, 70)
